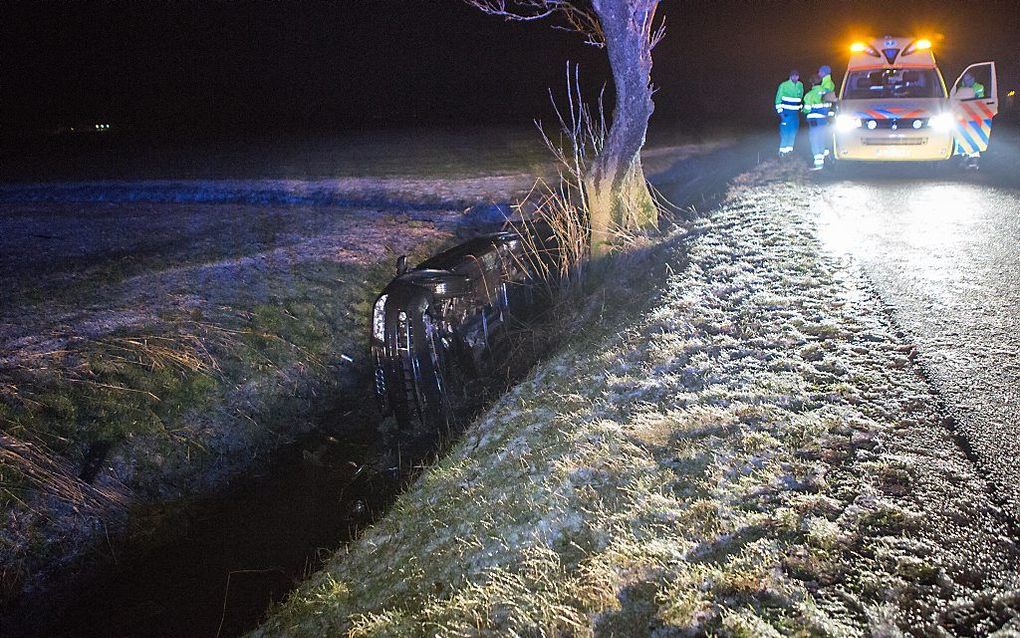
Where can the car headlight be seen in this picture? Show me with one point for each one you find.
(846, 123)
(379, 319)
(942, 122)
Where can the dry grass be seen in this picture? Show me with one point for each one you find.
(559, 213)
(557, 222)
(49, 475)
(183, 353)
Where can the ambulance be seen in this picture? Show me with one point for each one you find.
(894, 105)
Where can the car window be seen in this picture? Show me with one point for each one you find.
(975, 84)
(893, 83)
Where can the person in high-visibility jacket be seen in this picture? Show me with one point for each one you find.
(818, 109)
(971, 83)
(829, 88)
(789, 101)
(825, 72)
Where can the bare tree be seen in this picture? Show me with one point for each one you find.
(616, 191)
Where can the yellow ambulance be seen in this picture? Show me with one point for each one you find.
(894, 105)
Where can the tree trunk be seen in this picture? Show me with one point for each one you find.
(618, 196)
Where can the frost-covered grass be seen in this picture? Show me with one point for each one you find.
(750, 454)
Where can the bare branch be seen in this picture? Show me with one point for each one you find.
(585, 21)
(523, 10)
(658, 34)
(575, 15)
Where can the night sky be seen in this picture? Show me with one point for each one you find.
(364, 63)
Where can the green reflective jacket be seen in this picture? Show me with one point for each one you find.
(815, 104)
(828, 85)
(790, 96)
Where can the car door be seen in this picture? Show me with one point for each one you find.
(973, 110)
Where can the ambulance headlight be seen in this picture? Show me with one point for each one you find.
(379, 319)
(846, 123)
(942, 122)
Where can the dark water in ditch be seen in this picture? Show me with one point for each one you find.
(221, 562)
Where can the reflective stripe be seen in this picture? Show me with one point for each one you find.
(987, 111)
(788, 107)
(890, 113)
(818, 111)
(980, 131)
(973, 128)
(969, 144)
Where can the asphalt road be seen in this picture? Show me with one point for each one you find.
(943, 252)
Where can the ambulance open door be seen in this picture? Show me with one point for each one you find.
(974, 103)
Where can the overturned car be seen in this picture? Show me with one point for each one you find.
(442, 332)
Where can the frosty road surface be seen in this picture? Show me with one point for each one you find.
(944, 254)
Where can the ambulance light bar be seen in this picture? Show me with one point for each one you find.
(918, 45)
(862, 47)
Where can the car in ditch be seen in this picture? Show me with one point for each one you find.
(442, 332)
(894, 105)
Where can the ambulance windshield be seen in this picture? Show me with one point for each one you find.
(893, 83)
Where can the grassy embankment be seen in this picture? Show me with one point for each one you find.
(166, 399)
(748, 454)
(153, 350)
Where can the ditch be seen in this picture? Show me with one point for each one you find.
(219, 563)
